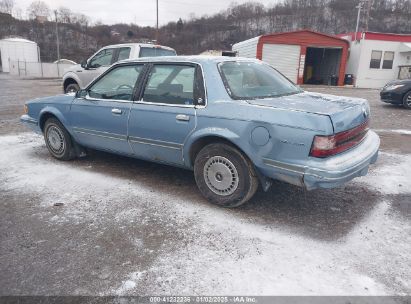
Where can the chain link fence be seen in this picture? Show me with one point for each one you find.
(38, 69)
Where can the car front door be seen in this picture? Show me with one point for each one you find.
(96, 65)
(99, 120)
(164, 115)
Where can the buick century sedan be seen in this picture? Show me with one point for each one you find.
(236, 122)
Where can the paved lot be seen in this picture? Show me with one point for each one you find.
(131, 227)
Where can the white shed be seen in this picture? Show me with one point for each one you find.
(17, 49)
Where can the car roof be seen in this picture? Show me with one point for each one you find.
(200, 59)
(138, 44)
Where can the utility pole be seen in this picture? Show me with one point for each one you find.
(157, 22)
(368, 4)
(57, 36)
(359, 6)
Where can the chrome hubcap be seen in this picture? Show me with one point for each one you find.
(409, 100)
(55, 140)
(221, 176)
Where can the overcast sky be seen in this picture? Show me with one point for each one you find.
(141, 12)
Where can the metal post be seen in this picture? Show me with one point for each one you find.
(57, 37)
(157, 22)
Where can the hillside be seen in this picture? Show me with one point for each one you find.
(78, 40)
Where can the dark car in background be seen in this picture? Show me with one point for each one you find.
(397, 92)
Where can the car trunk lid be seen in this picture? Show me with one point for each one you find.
(345, 112)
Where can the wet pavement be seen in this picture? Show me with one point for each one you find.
(111, 225)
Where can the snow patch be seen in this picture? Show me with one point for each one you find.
(393, 176)
(399, 131)
(130, 284)
(220, 252)
(231, 256)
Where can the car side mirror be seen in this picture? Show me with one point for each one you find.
(84, 64)
(81, 93)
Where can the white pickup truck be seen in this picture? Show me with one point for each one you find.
(80, 75)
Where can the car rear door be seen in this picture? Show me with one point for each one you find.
(122, 53)
(165, 113)
(99, 120)
(98, 64)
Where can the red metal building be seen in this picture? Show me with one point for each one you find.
(304, 56)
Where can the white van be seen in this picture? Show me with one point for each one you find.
(80, 75)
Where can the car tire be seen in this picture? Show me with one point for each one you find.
(58, 140)
(407, 100)
(224, 175)
(72, 88)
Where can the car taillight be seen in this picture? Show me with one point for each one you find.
(324, 146)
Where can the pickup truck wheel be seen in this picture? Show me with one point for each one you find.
(224, 175)
(407, 100)
(72, 88)
(58, 140)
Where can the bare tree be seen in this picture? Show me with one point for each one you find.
(18, 13)
(80, 19)
(65, 14)
(38, 9)
(6, 6)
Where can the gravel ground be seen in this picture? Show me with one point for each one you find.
(110, 225)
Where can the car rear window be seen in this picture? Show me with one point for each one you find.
(155, 52)
(253, 80)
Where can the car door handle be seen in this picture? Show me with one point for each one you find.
(116, 111)
(183, 117)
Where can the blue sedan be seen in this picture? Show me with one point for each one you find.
(237, 123)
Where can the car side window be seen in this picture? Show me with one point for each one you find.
(171, 84)
(124, 53)
(117, 84)
(102, 58)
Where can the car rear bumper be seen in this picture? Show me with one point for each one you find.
(328, 172)
(30, 123)
(337, 170)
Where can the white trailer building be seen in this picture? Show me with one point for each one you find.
(377, 58)
(17, 49)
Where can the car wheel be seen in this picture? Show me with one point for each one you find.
(72, 88)
(58, 140)
(224, 175)
(407, 100)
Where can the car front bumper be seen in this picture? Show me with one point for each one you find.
(328, 172)
(393, 97)
(30, 123)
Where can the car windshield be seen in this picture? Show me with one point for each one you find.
(252, 80)
(156, 52)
